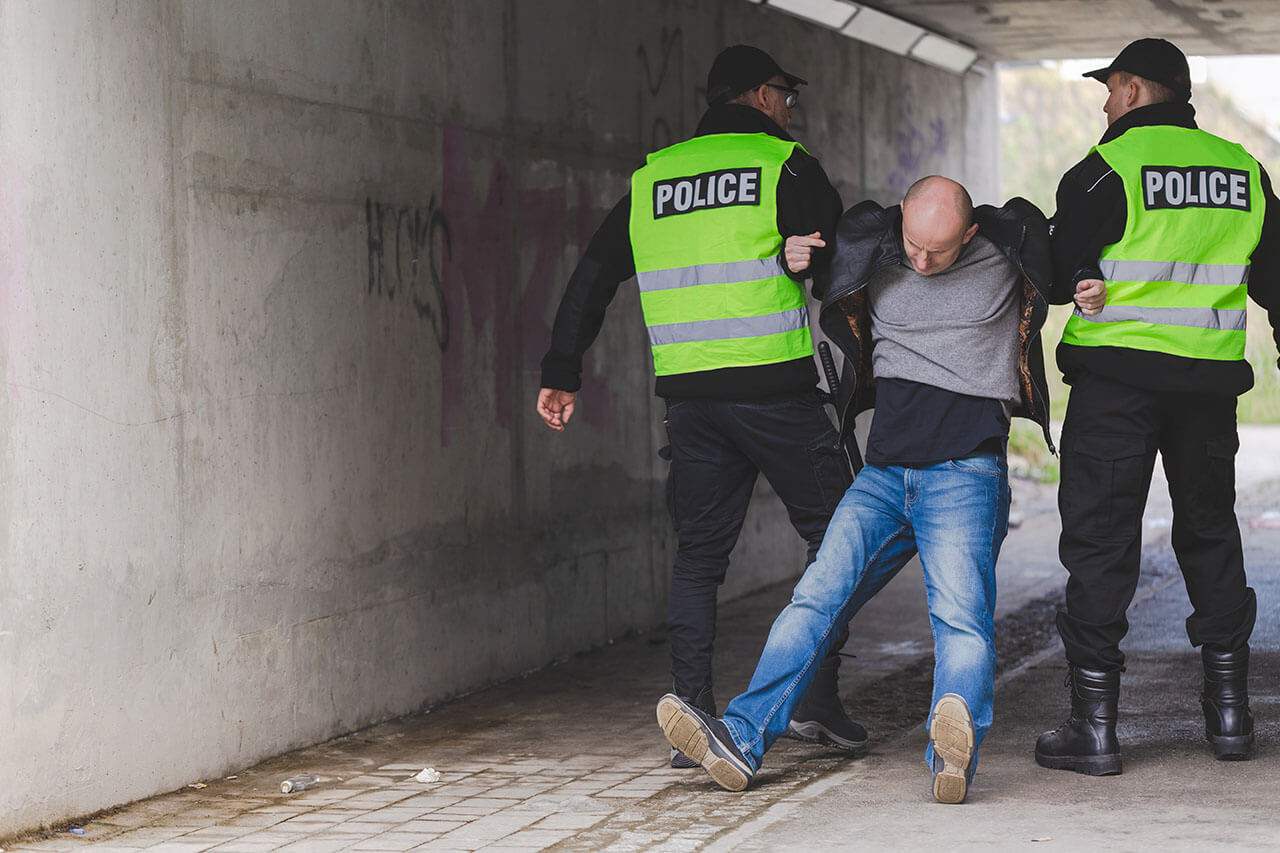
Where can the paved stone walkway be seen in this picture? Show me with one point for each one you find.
(571, 758)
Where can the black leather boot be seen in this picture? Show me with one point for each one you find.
(1228, 722)
(1086, 742)
(706, 703)
(820, 718)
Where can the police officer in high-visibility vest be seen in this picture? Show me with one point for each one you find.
(1176, 227)
(702, 230)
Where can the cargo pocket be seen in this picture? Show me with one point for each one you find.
(1218, 491)
(830, 470)
(1105, 478)
(664, 453)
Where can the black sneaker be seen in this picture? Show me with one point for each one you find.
(706, 740)
(952, 736)
(820, 717)
(840, 733)
(680, 761)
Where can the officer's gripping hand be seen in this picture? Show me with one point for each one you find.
(1091, 295)
(799, 250)
(555, 407)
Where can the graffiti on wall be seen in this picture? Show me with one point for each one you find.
(408, 247)
(483, 262)
(917, 146)
(480, 266)
(662, 72)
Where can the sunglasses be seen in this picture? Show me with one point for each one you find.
(793, 95)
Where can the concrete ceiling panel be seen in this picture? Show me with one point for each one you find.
(1062, 29)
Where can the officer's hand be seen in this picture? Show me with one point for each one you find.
(556, 407)
(799, 250)
(1091, 295)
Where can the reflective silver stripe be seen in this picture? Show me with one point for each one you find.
(737, 327)
(1220, 319)
(1220, 274)
(733, 273)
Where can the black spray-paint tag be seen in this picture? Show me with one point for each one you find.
(723, 188)
(1176, 187)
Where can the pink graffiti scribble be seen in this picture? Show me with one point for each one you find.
(476, 271)
(480, 274)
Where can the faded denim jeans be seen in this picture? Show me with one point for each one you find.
(955, 515)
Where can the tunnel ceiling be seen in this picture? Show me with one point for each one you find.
(1061, 29)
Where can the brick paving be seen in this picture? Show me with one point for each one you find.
(567, 759)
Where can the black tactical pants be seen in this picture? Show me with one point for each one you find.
(718, 447)
(1109, 443)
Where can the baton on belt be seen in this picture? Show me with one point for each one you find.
(829, 368)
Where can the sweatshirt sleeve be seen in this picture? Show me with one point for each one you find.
(608, 262)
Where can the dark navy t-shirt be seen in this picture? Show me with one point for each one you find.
(918, 425)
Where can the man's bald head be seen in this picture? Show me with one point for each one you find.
(937, 221)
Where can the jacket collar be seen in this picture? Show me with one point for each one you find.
(1167, 113)
(738, 118)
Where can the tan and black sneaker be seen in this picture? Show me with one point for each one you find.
(704, 701)
(706, 740)
(952, 736)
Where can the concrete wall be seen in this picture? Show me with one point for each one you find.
(274, 282)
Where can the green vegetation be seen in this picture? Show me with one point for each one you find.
(1028, 455)
(1261, 404)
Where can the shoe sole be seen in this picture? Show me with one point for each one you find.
(952, 736)
(1231, 747)
(1089, 765)
(814, 732)
(687, 733)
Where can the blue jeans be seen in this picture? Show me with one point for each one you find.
(955, 515)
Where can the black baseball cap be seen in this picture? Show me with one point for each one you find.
(1155, 59)
(742, 67)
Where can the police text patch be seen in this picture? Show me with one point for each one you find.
(1176, 187)
(723, 188)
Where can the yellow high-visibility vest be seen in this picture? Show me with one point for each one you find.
(704, 232)
(1177, 279)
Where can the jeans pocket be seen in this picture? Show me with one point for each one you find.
(987, 465)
